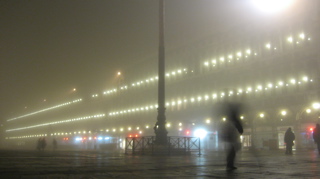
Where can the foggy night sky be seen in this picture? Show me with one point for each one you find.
(47, 48)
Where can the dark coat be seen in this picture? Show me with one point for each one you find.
(289, 137)
(316, 134)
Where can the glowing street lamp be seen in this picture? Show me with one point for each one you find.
(316, 105)
(261, 115)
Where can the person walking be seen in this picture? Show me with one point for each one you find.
(316, 136)
(230, 131)
(289, 137)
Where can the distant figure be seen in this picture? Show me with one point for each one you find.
(316, 136)
(44, 143)
(289, 137)
(54, 144)
(39, 144)
(230, 130)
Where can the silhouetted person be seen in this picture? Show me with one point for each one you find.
(289, 137)
(230, 130)
(39, 144)
(54, 144)
(316, 136)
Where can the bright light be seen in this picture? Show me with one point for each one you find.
(305, 78)
(280, 83)
(119, 73)
(268, 46)
(283, 113)
(272, 6)
(261, 115)
(308, 110)
(201, 133)
(316, 105)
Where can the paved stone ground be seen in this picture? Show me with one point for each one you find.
(24, 164)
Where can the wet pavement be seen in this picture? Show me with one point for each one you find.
(26, 164)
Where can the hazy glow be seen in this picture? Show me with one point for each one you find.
(272, 6)
(283, 113)
(316, 105)
(201, 133)
(268, 45)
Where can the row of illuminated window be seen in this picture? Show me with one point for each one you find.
(146, 81)
(246, 53)
(237, 55)
(230, 56)
(57, 122)
(179, 126)
(27, 136)
(47, 109)
(214, 96)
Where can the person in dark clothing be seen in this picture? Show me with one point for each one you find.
(230, 131)
(289, 137)
(316, 136)
(54, 144)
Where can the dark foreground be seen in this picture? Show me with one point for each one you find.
(91, 164)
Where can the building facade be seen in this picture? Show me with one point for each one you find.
(272, 68)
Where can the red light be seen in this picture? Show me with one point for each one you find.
(95, 137)
(84, 138)
(136, 135)
(67, 138)
(188, 132)
(311, 129)
(130, 135)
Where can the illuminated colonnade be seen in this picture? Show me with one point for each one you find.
(204, 97)
(47, 109)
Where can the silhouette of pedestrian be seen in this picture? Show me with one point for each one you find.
(54, 144)
(316, 136)
(43, 144)
(230, 130)
(289, 137)
(39, 144)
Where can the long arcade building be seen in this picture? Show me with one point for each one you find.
(274, 68)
